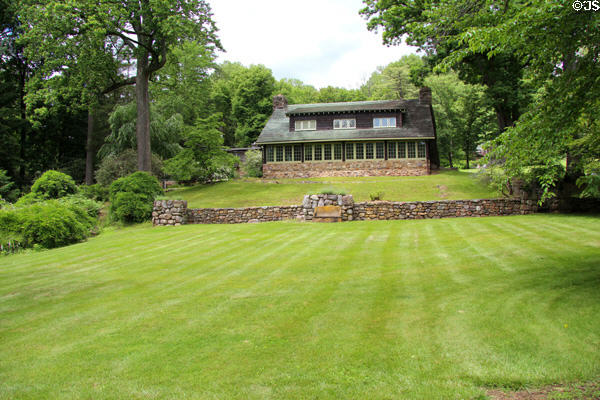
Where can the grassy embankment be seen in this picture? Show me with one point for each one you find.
(257, 192)
(387, 309)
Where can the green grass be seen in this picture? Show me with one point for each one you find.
(455, 185)
(387, 309)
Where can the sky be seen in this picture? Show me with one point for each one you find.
(320, 42)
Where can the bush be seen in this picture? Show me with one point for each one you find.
(53, 185)
(131, 197)
(95, 192)
(47, 224)
(252, 165)
(115, 167)
(332, 191)
(376, 196)
(8, 192)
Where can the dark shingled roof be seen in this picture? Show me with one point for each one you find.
(417, 122)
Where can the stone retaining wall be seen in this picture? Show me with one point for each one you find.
(405, 167)
(169, 212)
(388, 210)
(175, 212)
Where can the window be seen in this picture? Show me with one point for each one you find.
(327, 151)
(337, 151)
(349, 151)
(369, 151)
(279, 153)
(307, 125)
(348, 123)
(421, 150)
(392, 150)
(389, 122)
(411, 149)
(307, 152)
(288, 153)
(270, 154)
(379, 150)
(360, 151)
(318, 152)
(297, 153)
(401, 149)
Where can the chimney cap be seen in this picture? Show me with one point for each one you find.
(279, 102)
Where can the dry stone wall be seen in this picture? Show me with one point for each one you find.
(175, 212)
(348, 168)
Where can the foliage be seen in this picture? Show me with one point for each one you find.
(331, 190)
(397, 80)
(252, 165)
(131, 197)
(96, 192)
(50, 223)
(203, 158)
(53, 185)
(123, 164)
(376, 196)
(165, 133)
(8, 191)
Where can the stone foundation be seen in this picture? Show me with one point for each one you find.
(404, 167)
(243, 215)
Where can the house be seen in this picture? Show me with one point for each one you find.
(363, 138)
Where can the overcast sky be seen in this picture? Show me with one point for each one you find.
(320, 42)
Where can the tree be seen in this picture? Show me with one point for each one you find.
(144, 30)
(397, 80)
(437, 28)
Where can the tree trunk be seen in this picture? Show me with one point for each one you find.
(23, 115)
(450, 154)
(89, 149)
(143, 113)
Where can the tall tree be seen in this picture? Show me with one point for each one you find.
(145, 30)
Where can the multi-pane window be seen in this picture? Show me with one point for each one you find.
(308, 152)
(379, 150)
(327, 151)
(411, 149)
(389, 122)
(337, 151)
(421, 150)
(279, 153)
(288, 153)
(306, 125)
(270, 154)
(297, 153)
(401, 149)
(349, 151)
(348, 123)
(360, 151)
(392, 150)
(318, 152)
(369, 151)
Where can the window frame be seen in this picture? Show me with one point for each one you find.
(298, 125)
(377, 122)
(341, 120)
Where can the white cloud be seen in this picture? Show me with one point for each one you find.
(321, 42)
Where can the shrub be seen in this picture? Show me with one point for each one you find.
(29, 199)
(47, 224)
(53, 185)
(376, 196)
(95, 192)
(252, 165)
(115, 167)
(131, 197)
(332, 191)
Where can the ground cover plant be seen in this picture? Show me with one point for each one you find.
(451, 185)
(447, 308)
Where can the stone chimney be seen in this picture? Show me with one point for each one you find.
(279, 102)
(425, 95)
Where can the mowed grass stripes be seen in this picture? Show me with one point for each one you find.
(383, 309)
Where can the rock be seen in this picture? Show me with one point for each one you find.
(314, 197)
(306, 202)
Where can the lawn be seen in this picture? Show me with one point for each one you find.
(455, 185)
(424, 309)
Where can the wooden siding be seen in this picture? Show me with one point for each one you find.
(363, 120)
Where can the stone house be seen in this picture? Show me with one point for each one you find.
(362, 138)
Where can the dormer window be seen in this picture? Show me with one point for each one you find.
(348, 123)
(306, 125)
(389, 122)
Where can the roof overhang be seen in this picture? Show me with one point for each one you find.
(344, 140)
(299, 112)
